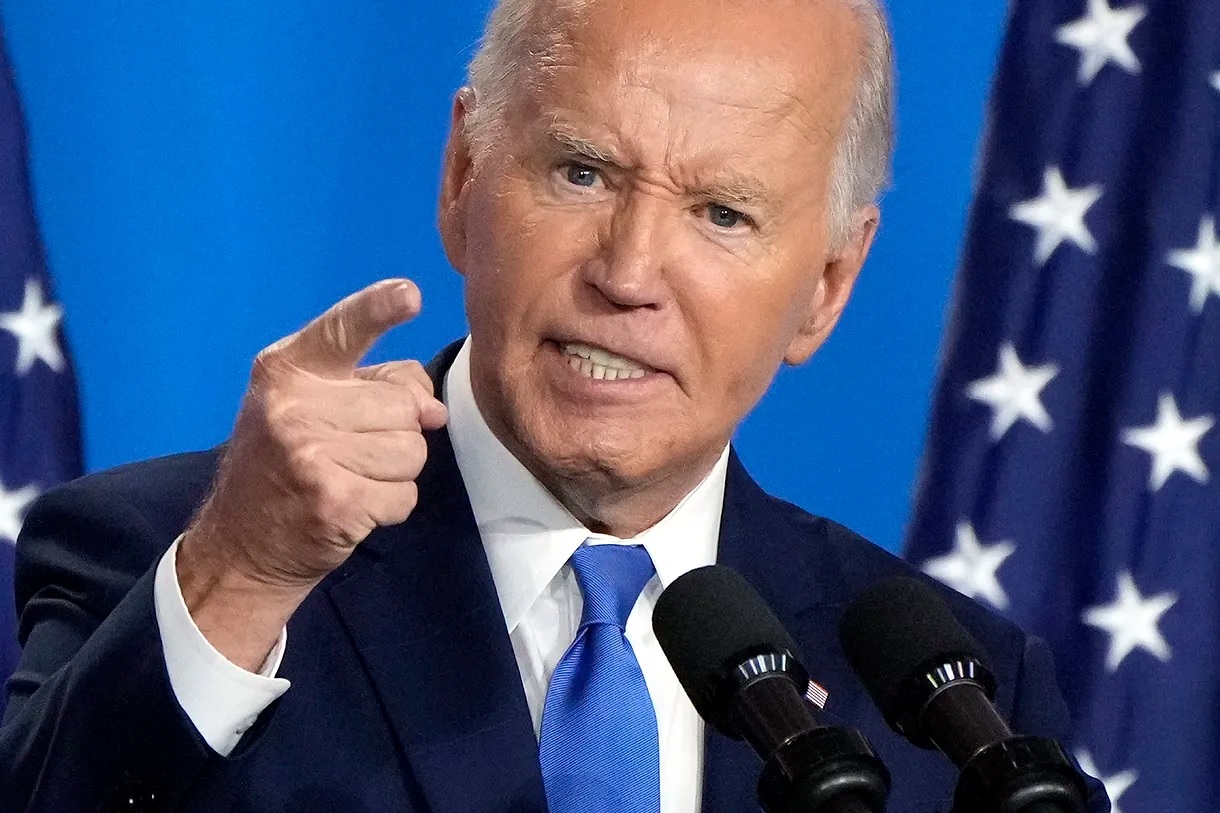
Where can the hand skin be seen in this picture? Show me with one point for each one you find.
(323, 452)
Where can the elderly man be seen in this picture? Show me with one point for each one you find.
(410, 589)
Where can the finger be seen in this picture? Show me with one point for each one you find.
(333, 344)
(397, 372)
(433, 413)
(353, 506)
(387, 457)
(368, 406)
(391, 503)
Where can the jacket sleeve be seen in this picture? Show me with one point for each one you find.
(91, 718)
(1040, 710)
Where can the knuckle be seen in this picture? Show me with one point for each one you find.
(410, 499)
(280, 412)
(411, 405)
(420, 374)
(334, 328)
(417, 447)
(305, 463)
(267, 364)
(406, 498)
(333, 506)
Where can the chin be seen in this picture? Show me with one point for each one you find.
(594, 455)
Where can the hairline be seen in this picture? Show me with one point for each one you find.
(861, 166)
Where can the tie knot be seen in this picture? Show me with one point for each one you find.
(611, 578)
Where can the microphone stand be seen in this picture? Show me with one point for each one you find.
(823, 770)
(808, 768)
(1019, 775)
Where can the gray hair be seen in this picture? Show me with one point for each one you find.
(862, 164)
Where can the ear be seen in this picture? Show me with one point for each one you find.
(834, 287)
(455, 173)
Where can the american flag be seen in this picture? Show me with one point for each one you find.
(1072, 475)
(39, 420)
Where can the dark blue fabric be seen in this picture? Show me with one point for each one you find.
(405, 691)
(1073, 511)
(599, 746)
(39, 422)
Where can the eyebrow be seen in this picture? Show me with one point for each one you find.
(730, 188)
(733, 189)
(573, 143)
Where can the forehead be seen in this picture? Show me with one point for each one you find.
(762, 72)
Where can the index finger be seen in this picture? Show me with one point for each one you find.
(334, 343)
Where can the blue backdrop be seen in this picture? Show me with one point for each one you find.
(210, 174)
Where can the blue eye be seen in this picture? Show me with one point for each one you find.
(724, 217)
(581, 175)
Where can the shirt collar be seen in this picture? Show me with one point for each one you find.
(529, 536)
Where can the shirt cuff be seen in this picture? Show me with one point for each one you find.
(221, 699)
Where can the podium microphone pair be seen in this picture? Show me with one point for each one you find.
(744, 676)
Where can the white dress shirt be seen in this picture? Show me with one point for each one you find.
(529, 538)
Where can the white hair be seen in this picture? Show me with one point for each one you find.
(862, 164)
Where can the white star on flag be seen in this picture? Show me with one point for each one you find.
(1101, 37)
(970, 568)
(1203, 263)
(1131, 621)
(1172, 442)
(12, 509)
(1116, 784)
(1014, 393)
(1216, 80)
(34, 326)
(1058, 215)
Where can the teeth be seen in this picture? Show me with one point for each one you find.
(593, 362)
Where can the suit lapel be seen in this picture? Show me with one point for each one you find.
(799, 579)
(419, 602)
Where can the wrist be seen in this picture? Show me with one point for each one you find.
(241, 616)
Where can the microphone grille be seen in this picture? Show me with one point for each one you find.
(896, 631)
(709, 621)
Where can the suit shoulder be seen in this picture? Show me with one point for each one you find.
(172, 483)
(162, 487)
(862, 564)
(125, 516)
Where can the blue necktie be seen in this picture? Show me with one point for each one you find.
(599, 730)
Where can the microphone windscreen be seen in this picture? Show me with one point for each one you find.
(893, 631)
(708, 621)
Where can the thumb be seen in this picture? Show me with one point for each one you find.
(334, 343)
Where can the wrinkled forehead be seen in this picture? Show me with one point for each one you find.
(789, 58)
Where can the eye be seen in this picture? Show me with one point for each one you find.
(725, 218)
(581, 174)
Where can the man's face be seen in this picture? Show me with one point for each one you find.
(647, 242)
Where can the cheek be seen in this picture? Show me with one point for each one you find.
(744, 328)
(531, 243)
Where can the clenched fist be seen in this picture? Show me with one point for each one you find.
(323, 452)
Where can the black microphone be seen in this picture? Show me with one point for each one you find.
(931, 681)
(744, 675)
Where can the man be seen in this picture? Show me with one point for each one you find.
(378, 595)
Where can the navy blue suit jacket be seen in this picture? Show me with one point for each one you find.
(405, 692)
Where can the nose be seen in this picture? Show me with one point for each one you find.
(628, 270)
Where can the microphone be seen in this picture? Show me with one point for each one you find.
(744, 675)
(932, 683)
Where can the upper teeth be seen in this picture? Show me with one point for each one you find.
(601, 364)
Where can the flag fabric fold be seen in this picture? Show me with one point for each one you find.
(1072, 474)
(39, 416)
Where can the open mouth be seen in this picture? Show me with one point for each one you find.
(602, 365)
